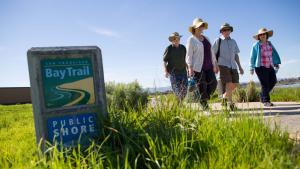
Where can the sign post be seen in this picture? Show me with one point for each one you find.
(68, 94)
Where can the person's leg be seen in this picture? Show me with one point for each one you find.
(229, 88)
(272, 82)
(224, 77)
(175, 83)
(272, 78)
(202, 87)
(212, 82)
(220, 87)
(183, 86)
(233, 81)
(263, 77)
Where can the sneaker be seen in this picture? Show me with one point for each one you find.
(268, 104)
(232, 107)
(224, 102)
(204, 104)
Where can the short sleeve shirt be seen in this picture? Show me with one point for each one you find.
(175, 58)
(228, 50)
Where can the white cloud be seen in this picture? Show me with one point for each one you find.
(105, 32)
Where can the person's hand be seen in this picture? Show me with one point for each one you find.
(167, 74)
(276, 68)
(251, 72)
(191, 72)
(241, 71)
(216, 69)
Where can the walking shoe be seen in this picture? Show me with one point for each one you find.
(224, 102)
(204, 104)
(232, 107)
(268, 104)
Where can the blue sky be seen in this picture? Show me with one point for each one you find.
(134, 34)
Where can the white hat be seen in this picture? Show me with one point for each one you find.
(197, 22)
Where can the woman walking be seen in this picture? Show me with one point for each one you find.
(175, 66)
(201, 61)
(264, 58)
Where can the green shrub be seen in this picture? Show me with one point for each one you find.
(239, 95)
(248, 94)
(252, 92)
(123, 96)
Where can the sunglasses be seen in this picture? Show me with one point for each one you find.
(225, 30)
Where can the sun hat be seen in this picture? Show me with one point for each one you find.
(197, 22)
(226, 26)
(263, 31)
(173, 36)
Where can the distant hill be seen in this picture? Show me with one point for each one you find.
(159, 89)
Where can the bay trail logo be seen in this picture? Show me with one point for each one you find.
(68, 82)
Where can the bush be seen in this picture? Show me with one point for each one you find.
(123, 96)
(248, 94)
(239, 95)
(252, 92)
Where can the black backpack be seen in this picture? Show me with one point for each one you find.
(218, 51)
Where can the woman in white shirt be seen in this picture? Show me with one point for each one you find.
(201, 61)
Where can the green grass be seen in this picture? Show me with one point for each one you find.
(285, 94)
(166, 136)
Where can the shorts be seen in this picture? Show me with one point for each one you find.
(228, 75)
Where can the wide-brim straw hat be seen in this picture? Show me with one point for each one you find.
(197, 22)
(174, 35)
(226, 26)
(263, 31)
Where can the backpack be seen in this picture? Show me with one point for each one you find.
(218, 51)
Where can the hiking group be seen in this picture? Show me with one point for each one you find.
(200, 61)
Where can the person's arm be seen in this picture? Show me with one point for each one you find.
(214, 59)
(186, 65)
(189, 56)
(253, 56)
(166, 73)
(275, 55)
(165, 59)
(237, 59)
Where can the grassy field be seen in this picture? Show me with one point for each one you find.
(285, 94)
(161, 137)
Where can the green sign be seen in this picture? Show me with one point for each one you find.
(68, 82)
(68, 95)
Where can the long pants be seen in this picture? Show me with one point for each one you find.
(267, 78)
(179, 83)
(206, 83)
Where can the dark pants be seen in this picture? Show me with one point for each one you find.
(206, 83)
(179, 84)
(267, 78)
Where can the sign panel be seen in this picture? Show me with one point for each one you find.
(72, 129)
(68, 82)
(67, 93)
